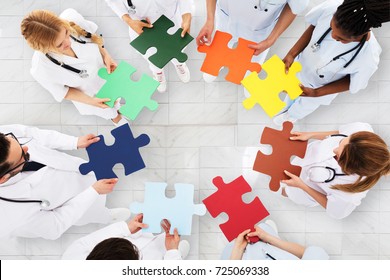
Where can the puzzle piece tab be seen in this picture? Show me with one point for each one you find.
(178, 210)
(137, 94)
(228, 199)
(238, 60)
(125, 150)
(168, 46)
(282, 150)
(266, 92)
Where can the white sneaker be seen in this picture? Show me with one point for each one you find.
(119, 214)
(183, 72)
(209, 78)
(160, 77)
(272, 225)
(184, 248)
(284, 117)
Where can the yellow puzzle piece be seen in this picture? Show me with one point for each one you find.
(266, 92)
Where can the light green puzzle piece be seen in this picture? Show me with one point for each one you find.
(266, 92)
(137, 94)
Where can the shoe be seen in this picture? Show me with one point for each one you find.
(209, 78)
(272, 225)
(284, 117)
(183, 72)
(184, 248)
(160, 77)
(121, 122)
(119, 214)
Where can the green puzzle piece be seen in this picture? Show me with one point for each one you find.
(168, 46)
(119, 85)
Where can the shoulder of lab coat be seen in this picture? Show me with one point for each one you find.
(80, 249)
(351, 128)
(52, 224)
(46, 73)
(119, 7)
(76, 17)
(323, 9)
(48, 138)
(172, 255)
(298, 6)
(341, 204)
(185, 6)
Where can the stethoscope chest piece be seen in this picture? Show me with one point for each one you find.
(45, 204)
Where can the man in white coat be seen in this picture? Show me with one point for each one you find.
(126, 241)
(31, 168)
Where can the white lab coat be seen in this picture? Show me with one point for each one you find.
(57, 80)
(320, 153)
(257, 250)
(253, 20)
(318, 63)
(72, 199)
(151, 247)
(152, 9)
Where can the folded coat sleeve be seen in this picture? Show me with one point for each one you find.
(119, 7)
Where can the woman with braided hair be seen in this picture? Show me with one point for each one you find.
(68, 55)
(338, 52)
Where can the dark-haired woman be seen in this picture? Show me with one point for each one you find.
(338, 52)
(338, 169)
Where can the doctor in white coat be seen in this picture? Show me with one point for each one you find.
(270, 246)
(261, 21)
(101, 244)
(338, 53)
(338, 169)
(67, 57)
(132, 12)
(31, 168)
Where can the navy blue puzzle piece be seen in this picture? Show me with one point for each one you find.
(125, 150)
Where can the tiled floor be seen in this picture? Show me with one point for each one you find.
(199, 131)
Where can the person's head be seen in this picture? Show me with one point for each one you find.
(366, 155)
(355, 18)
(114, 249)
(44, 31)
(13, 156)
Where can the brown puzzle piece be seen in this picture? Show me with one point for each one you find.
(282, 150)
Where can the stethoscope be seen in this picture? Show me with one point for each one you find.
(44, 203)
(82, 73)
(132, 9)
(316, 46)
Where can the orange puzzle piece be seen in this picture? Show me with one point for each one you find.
(282, 150)
(238, 59)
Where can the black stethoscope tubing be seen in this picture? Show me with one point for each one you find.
(44, 203)
(359, 46)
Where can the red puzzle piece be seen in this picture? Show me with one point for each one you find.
(282, 150)
(228, 199)
(238, 60)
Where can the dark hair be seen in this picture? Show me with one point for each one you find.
(114, 249)
(357, 17)
(4, 153)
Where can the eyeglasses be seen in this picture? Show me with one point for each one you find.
(24, 156)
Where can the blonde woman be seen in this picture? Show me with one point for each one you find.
(338, 169)
(67, 56)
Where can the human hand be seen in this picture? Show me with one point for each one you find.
(260, 47)
(171, 240)
(138, 25)
(204, 36)
(288, 61)
(186, 24)
(294, 181)
(110, 63)
(99, 102)
(259, 232)
(300, 136)
(136, 223)
(241, 241)
(86, 140)
(308, 92)
(105, 186)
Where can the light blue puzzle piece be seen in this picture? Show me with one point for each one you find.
(178, 210)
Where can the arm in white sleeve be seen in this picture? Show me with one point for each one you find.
(173, 254)
(185, 7)
(52, 224)
(119, 7)
(74, 16)
(81, 248)
(48, 138)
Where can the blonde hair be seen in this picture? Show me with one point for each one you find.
(366, 155)
(41, 28)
